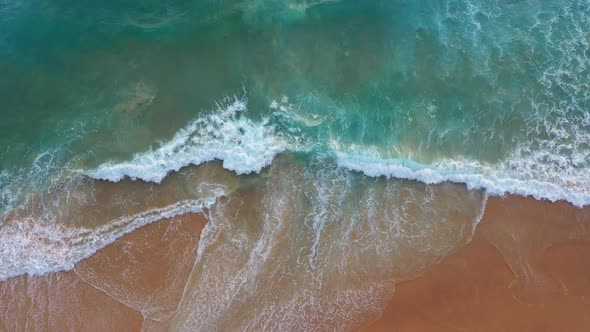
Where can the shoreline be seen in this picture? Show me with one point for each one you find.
(524, 254)
(520, 272)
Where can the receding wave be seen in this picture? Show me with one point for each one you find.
(31, 246)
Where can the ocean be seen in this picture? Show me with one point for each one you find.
(334, 147)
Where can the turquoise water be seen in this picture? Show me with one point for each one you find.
(385, 87)
(353, 97)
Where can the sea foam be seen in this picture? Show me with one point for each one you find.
(35, 247)
(497, 180)
(245, 146)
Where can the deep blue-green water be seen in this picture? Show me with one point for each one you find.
(494, 94)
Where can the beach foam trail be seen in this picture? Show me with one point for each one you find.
(38, 247)
(54, 231)
(317, 239)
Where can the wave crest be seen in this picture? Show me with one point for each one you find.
(497, 180)
(245, 146)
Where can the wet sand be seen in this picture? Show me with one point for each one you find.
(525, 270)
(61, 302)
(147, 269)
(140, 275)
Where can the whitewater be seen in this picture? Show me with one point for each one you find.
(246, 146)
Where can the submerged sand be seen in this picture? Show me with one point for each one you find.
(524, 270)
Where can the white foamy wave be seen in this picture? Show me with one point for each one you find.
(46, 170)
(245, 146)
(508, 177)
(34, 247)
